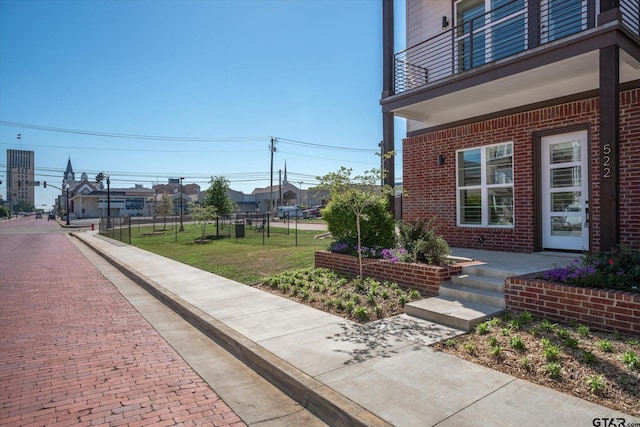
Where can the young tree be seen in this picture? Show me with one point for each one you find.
(359, 193)
(202, 214)
(165, 208)
(217, 197)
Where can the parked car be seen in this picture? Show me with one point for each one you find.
(289, 212)
(312, 213)
(52, 216)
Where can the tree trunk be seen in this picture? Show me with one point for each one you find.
(359, 245)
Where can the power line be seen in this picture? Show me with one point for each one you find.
(128, 136)
(169, 138)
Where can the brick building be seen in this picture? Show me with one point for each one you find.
(523, 130)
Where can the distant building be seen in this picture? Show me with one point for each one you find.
(88, 199)
(190, 194)
(20, 177)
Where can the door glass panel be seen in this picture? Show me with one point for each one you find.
(470, 171)
(470, 207)
(565, 177)
(565, 152)
(566, 226)
(566, 201)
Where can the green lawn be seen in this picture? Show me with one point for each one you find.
(246, 260)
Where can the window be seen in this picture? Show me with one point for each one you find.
(488, 30)
(485, 186)
(562, 18)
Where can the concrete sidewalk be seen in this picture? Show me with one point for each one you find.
(382, 373)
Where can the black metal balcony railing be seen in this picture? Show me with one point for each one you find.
(631, 15)
(501, 33)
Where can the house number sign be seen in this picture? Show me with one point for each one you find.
(606, 161)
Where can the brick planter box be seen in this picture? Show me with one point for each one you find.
(422, 277)
(604, 310)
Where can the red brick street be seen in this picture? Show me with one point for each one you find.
(73, 351)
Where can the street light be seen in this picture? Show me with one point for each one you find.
(67, 188)
(181, 227)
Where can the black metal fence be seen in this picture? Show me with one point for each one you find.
(236, 225)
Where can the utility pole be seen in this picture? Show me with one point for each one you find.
(272, 148)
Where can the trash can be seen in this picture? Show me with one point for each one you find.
(239, 230)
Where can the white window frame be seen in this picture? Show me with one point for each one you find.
(484, 187)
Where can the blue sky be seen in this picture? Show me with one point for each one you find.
(152, 89)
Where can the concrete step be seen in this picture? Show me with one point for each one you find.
(473, 294)
(494, 284)
(486, 271)
(462, 315)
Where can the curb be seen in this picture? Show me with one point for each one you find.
(324, 402)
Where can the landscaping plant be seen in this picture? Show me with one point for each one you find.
(361, 195)
(420, 240)
(600, 367)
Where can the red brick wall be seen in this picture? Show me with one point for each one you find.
(630, 168)
(599, 309)
(431, 189)
(422, 277)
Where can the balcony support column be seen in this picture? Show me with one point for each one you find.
(609, 147)
(388, 142)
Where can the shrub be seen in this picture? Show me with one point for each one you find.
(554, 369)
(605, 346)
(378, 230)
(420, 240)
(517, 343)
(583, 331)
(589, 358)
(596, 384)
(630, 359)
(482, 328)
(552, 353)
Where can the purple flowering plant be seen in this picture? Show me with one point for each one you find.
(349, 248)
(395, 255)
(618, 269)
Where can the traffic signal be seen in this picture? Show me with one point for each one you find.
(45, 184)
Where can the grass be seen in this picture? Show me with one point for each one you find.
(245, 260)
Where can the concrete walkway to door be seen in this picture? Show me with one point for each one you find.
(517, 263)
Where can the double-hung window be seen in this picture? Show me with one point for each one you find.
(485, 186)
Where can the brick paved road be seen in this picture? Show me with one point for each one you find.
(73, 351)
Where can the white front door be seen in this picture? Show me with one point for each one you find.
(565, 223)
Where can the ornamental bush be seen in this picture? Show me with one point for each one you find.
(420, 240)
(377, 230)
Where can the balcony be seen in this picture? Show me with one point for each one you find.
(520, 53)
